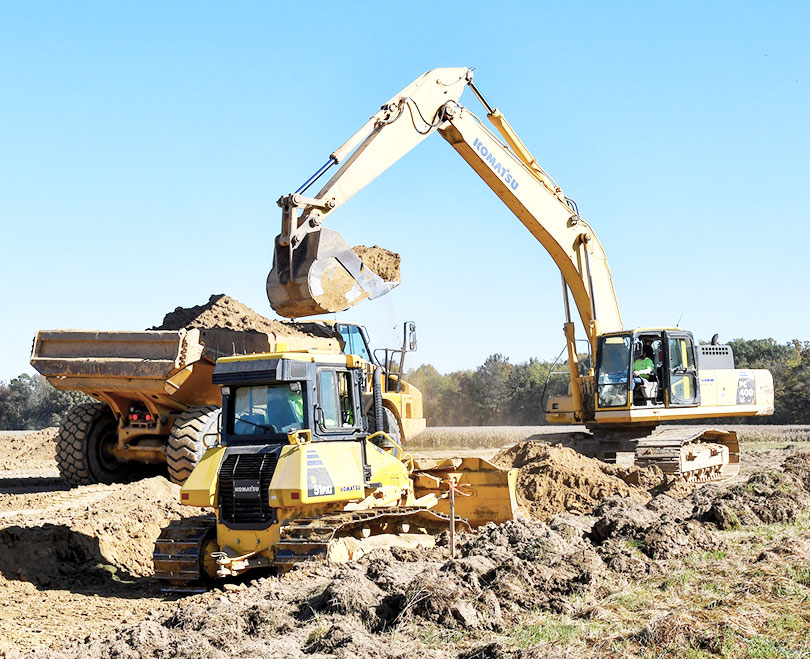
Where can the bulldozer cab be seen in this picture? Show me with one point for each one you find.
(265, 401)
(646, 368)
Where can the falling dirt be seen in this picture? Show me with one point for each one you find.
(224, 312)
(383, 262)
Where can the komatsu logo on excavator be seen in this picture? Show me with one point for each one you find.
(497, 167)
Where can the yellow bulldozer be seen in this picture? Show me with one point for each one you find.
(302, 467)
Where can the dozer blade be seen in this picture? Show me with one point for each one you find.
(488, 492)
(321, 275)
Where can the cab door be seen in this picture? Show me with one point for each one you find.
(682, 379)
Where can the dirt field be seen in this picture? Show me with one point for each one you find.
(599, 567)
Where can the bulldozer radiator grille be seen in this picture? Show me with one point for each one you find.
(243, 483)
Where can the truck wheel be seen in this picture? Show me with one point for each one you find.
(83, 445)
(185, 446)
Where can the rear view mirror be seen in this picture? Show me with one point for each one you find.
(410, 333)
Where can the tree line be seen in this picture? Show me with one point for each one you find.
(496, 393)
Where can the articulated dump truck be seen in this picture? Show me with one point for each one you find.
(156, 400)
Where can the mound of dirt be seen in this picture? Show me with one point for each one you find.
(774, 495)
(89, 533)
(383, 262)
(34, 450)
(351, 610)
(555, 479)
(224, 312)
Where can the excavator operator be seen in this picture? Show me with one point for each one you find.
(643, 366)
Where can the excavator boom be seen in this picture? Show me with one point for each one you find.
(315, 271)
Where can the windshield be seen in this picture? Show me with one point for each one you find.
(355, 343)
(271, 408)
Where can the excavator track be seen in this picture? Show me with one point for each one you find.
(691, 453)
(178, 553)
(695, 455)
(308, 538)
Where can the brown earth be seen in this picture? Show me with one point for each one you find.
(222, 311)
(555, 479)
(34, 450)
(381, 261)
(75, 566)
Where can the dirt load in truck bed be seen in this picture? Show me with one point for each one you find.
(222, 311)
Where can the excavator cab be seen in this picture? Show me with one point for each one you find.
(667, 364)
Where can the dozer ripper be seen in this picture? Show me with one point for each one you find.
(314, 271)
(302, 467)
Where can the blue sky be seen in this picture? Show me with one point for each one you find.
(144, 146)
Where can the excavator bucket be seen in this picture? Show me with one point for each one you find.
(321, 275)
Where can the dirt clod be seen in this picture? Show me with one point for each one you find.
(381, 261)
(555, 479)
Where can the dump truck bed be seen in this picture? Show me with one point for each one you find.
(169, 367)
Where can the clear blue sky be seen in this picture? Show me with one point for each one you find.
(144, 146)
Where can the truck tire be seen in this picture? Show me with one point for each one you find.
(185, 446)
(82, 444)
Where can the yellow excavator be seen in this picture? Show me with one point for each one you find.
(622, 404)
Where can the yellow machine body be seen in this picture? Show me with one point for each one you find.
(319, 490)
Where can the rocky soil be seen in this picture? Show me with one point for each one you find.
(605, 562)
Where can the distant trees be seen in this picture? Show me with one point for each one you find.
(497, 393)
(29, 402)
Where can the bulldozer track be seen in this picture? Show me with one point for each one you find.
(308, 538)
(178, 551)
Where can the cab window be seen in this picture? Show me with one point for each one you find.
(268, 409)
(336, 399)
(614, 369)
(355, 343)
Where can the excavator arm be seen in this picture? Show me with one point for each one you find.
(315, 271)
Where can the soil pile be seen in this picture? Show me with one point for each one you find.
(383, 262)
(89, 533)
(774, 495)
(34, 450)
(351, 610)
(224, 312)
(556, 479)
